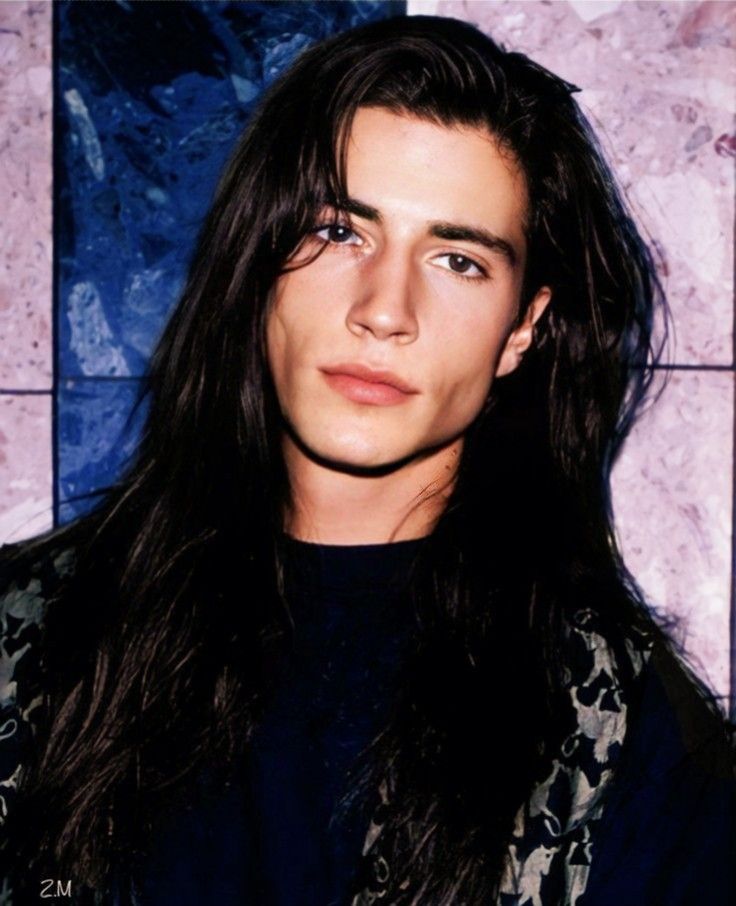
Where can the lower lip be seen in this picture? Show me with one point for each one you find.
(371, 393)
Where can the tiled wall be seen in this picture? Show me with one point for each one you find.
(132, 180)
(26, 380)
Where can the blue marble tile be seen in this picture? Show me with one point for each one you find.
(151, 98)
(98, 430)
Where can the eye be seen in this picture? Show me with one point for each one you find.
(462, 266)
(337, 234)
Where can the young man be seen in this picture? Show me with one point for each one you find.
(354, 628)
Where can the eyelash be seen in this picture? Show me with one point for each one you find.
(482, 272)
(481, 276)
(332, 225)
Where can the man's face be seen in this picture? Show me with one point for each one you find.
(384, 347)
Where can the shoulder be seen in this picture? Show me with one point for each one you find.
(30, 573)
(552, 846)
(639, 805)
(698, 732)
(669, 828)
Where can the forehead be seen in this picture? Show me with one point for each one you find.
(404, 165)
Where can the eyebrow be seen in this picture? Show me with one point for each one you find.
(443, 230)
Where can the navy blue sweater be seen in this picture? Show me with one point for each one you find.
(268, 839)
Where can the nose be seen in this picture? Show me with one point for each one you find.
(383, 304)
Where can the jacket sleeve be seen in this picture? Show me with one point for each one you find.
(26, 583)
(669, 829)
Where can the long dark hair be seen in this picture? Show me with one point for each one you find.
(158, 647)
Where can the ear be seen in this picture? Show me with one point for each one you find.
(519, 340)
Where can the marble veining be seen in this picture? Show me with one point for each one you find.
(672, 503)
(25, 466)
(98, 431)
(25, 196)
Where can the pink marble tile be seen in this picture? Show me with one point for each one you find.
(672, 500)
(25, 195)
(25, 465)
(658, 85)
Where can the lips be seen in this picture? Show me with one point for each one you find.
(362, 384)
(371, 375)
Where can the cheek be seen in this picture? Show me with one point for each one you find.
(465, 397)
(470, 361)
(275, 343)
(279, 338)
(292, 316)
(290, 341)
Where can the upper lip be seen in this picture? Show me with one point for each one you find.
(373, 375)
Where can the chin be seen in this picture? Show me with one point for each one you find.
(361, 461)
(354, 454)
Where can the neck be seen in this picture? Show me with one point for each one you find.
(329, 506)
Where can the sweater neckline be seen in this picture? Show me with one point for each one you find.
(354, 566)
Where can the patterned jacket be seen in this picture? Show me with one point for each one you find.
(556, 833)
